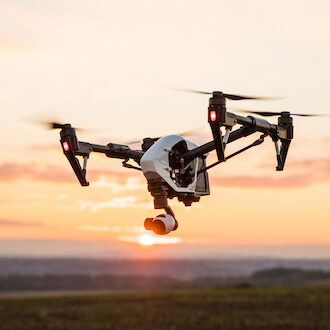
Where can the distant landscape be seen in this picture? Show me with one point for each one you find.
(176, 268)
(27, 274)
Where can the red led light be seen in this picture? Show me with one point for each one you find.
(66, 146)
(213, 115)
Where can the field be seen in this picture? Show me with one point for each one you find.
(227, 308)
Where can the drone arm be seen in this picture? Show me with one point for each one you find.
(208, 147)
(250, 125)
(254, 144)
(112, 150)
(123, 152)
(283, 132)
(72, 148)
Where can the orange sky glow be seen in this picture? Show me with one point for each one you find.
(100, 64)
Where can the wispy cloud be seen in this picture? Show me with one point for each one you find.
(307, 172)
(118, 203)
(322, 164)
(94, 228)
(114, 229)
(10, 171)
(15, 223)
(130, 184)
(241, 181)
(62, 197)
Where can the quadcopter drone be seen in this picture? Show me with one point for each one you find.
(175, 166)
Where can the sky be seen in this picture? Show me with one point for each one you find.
(108, 66)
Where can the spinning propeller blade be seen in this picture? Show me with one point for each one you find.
(50, 121)
(233, 97)
(278, 113)
(194, 131)
(55, 125)
(186, 133)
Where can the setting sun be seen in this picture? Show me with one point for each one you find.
(146, 239)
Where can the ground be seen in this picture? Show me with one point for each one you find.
(223, 308)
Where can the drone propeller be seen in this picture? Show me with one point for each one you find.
(55, 125)
(186, 133)
(276, 113)
(50, 121)
(233, 97)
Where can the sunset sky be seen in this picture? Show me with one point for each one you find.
(107, 65)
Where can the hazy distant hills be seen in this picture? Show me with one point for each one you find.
(178, 269)
(289, 277)
(81, 282)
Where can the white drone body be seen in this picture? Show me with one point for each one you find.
(165, 181)
(155, 163)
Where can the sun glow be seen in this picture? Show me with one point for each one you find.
(146, 240)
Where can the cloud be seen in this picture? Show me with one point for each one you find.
(298, 173)
(241, 181)
(15, 223)
(322, 164)
(118, 203)
(114, 229)
(130, 184)
(62, 196)
(307, 172)
(10, 171)
(94, 228)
